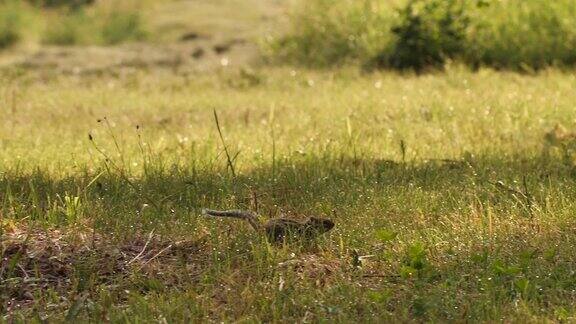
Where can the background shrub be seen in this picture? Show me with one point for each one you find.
(70, 29)
(104, 24)
(419, 34)
(524, 35)
(429, 33)
(329, 32)
(10, 24)
(121, 26)
(74, 4)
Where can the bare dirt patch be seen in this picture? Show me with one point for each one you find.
(38, 261)
(184, 57)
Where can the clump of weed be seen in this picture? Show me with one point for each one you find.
(415, 263)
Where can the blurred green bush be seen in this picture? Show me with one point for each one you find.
(71, 22)
(61, 3)
(103, 24)
(429, 32)
(422, 34)
(122, 25)
(10, 24)
(70, 29)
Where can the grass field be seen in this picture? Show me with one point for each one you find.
(468, 219)
(453, 193)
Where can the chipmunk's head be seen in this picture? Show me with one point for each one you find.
(320, 224)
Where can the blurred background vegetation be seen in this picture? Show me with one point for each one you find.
(71, 22)
(398, 34)
(419, 34)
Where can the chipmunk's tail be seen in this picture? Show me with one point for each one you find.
(251, 217)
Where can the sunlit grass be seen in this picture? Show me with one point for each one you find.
(442, 181)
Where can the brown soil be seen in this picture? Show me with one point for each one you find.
(36, 261)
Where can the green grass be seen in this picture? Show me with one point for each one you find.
(508, 34)
(448, 241)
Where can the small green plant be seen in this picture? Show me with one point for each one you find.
(415, 262)
(64, 209)
(73, 208)
(419, 306)
(481, 258)
(379, 297)
(522, 286)
(503, 269)
(386, 235)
